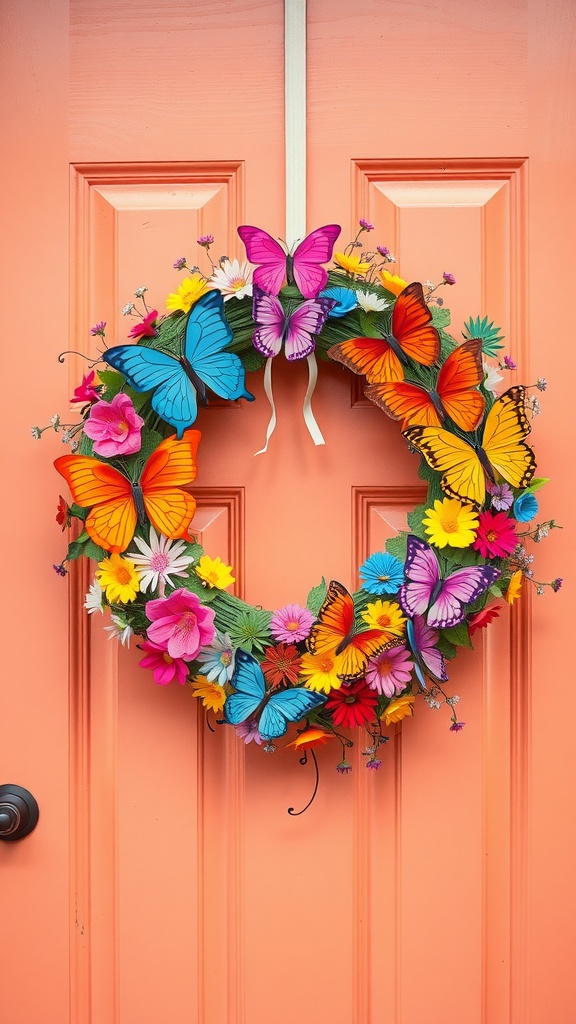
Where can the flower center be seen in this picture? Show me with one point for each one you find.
(166, 657)
(326, 665)
(383, 620)
(450, 526)
(238, 283)
(122, 575)
(123, 427)
(491, 536)
(383, 579)
(159, 561)
(350, 699)
(225, 658)
(292, 626)
(187, 622)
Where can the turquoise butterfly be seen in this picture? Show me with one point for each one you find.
(276, 709)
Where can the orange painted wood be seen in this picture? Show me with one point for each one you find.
(165, 881)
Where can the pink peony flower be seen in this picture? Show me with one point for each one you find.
(180, 624)
(86, 391)
(390, 672)
(145, 329)
(164, 668)
(291, 623)
(114, 427)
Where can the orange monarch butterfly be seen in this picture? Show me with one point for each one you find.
(117, 504)
(335, 633)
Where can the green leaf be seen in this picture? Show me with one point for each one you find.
(252, 360)
(458, 635)
(92, 550)
(368, 324)
(397, 545)
(78, 512)
(415, 518)
(113, 382)
(316, 597)
(446, 648)
(488, 334)
(537, 483)
(440, 316)
(77, 547)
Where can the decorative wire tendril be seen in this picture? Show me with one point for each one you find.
(73, 352)
(304, 760)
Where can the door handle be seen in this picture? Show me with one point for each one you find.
(18, 813)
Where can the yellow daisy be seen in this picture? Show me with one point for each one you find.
(214, 572)
(118, 578)
(385, 615)
(212, 695)
(319, 671)
(514, 587)
(392, 282)
(398, 709)
(189, 291)
(351, 264)
(451, 523)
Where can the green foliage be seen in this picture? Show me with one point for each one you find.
(415, 520)
(458, 635)
(446, 647)
(397, 545)
(113, 383)
(537, 483)
(316, 597)
(440, 316)
(92, 550)
(488, 334)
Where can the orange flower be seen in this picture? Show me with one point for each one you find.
(514, 587)
(392, 282)
(281, 664)
(311, 738)
(398, 709)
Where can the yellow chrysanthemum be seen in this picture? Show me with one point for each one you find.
(451, 523)
(351, 264)
(118, 578)
(385, 615)
(189, 291)
(212, 695)
(392, 282)
(319, 671)
(514, 587)
(214, 572)
(398, 709)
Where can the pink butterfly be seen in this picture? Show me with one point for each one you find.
(442, 599)
(296, 329)
(301, 268)
(427, 657)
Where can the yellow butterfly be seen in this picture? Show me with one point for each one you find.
(465, 467)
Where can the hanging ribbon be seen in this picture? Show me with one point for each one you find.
(309, 419)
(269, 395)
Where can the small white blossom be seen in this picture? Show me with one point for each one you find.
(370, 302)
(491, 378)
(119, 630)
(140, 291)
(94, 599)
(127, 309)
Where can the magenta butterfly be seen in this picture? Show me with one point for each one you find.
(296, 330)
(442, 599)
(302, 268)
(427, 657)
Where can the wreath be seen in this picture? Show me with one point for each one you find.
(344, 660)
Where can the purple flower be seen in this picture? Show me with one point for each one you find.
(448, 278)
(509, 363)
(556, 584)
(98, 329)
(366, 225)
(383, 250)
(205, 240)
(291, 623)
(115, 427)
(248, 731)
(374, 763)
(180, 263)
(344, 768)
(457, 726)
(60, 570)
(502, 496)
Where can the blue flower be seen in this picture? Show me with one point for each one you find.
(344, 297)
(382, 574)
(525, 508)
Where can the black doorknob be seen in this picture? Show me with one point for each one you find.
(18, 813)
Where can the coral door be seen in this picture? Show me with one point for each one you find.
(165, 882)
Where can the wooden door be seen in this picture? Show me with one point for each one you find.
(165, 881)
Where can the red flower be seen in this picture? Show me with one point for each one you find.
(496, 536)
(281, 664)
(63, 513)
(481, 619)
(145, 328)
(87, 391)
(352, 705)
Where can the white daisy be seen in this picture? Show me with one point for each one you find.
(160, 560)
(218, 659)
(491, 378)
(233, 278)
(94, 599)
(370, 302)
(119, 630)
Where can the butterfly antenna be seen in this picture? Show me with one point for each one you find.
(304, 760)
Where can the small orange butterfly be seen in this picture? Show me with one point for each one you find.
(335, 633)
(117, 504)
(412, 335)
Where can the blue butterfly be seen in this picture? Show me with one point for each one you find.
(278, 709)
(179, 382)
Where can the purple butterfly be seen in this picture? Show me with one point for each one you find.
(442, 599)
(296, 330)
(427, 657)
(301, 268)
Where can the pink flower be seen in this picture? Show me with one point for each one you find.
(496, 536)
(145, 328)
(390, 672)
(291, 623)
(248, 731)
(114, 427)
(180, 624)
(86, 392)
(164, 668)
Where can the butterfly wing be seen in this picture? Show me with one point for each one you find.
(284, 707)
(249, 689)
(147, 369)
(423, 640)
(503, 439)
(262, 249)
(456, 591)
(412, 326)
(460, 375)
(268, 313)
(307, 320)
(207, 335)
(170, 468)
(314, 250)
(334, 632)
(461, 469)
(422, 573)
(404, 401)
(107, 493)
(372, 357)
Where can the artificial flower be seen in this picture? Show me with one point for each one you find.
(390, 672)
(344, 299)
(119, 630)
(213, 572)
(556, 584)
(248, 731)
(514, 587)
(60, 570)
(382, 574)
(145, 328)
(448, 278)
(354, 704)
(392, 282)
(180, 624)
(127, 309)
(165, 669)
(501, 496)
(218, 659)
(370, 302)
(291, 623)
(118, 578)
(180, 263)
(491, 378)
(375, 763)
(311, 737)
(482, 618)
(320, 671)
(344, 767)
(115, 427)
(233, 278)
(508, 363)
(496, 536)
(250, 629)
(159, 560)
(63, 513)
(87, 391)
(457, 726)
(281, 664)
(365, 225)
(351, 264)
(525, 507)
(212, 695)
(205, 241)
(94, 601)
(385, 615)
(451, 523)
(398, 709)
(98, 329)
(188, 292)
